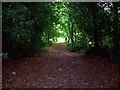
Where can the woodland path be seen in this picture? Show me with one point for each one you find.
(60, 68)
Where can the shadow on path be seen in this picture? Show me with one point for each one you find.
(60, 68)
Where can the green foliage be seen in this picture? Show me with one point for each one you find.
(29, 28)
(107, 42)
(23, 27)
(96, 21)
(82, 43)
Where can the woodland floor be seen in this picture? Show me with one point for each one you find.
(60, 68)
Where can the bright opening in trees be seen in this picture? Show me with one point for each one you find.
(60, 40)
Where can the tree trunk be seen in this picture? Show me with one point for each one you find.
(48, 37)
(69, 32)
(95, 37)
(71, 36)
(95, 29)
(116, 32)
(75, 34)
(115, 26)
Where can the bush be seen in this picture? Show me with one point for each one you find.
(81, 44)
(99, 51)
(115, 54)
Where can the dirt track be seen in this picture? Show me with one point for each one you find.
(60, 68)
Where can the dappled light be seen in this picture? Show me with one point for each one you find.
(60, 44)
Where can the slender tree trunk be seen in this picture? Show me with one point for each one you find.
(95, 37)
(48, 37)
(115, 26)
(116, 32)
(95, 29)
(69, 30)
(72, 39)
(75, 34)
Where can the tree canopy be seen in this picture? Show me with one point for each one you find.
(29, 27)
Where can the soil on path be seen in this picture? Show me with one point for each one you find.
(60, 68)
